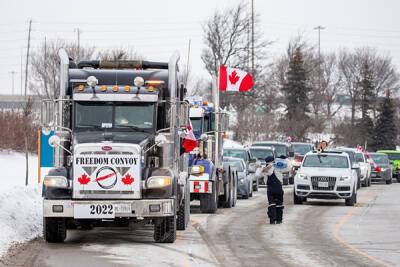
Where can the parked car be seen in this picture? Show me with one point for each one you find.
(245, 179)
(261, 153)
(299, 150)
(394, 157)
(365, 168)
(282, 150)
(381, 168)
(352, 155)
(326, 175)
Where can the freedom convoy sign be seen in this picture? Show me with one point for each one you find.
(107, 176)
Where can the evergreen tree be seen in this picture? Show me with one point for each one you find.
(385, 133)
(296, 90)
(366, 125)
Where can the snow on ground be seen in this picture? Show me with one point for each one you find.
(20, 205)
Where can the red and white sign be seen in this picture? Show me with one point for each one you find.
(200, 187)
(190, 141)
(234, 80)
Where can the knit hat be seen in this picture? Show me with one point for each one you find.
(269, 159)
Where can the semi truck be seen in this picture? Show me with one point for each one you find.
(118, 127)
(212, 181)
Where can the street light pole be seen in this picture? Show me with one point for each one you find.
(12, 80)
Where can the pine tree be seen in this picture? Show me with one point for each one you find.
(385, 133)
(366, 125)
(296, 91)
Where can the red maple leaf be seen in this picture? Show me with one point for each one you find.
(84, 179)
(128, 179)
(233, 78)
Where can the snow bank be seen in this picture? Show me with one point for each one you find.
(20, 205)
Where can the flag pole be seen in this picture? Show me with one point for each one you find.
(215, 94)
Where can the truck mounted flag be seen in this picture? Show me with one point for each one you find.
(234, 80)
(189, 142)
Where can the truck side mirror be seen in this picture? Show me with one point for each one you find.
(203, 137)
(54, 141)
(160, 140)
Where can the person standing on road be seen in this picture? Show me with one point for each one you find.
(274, 192)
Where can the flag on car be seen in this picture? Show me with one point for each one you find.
(234, 80)
(189, 141)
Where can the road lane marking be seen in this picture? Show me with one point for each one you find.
(344, 220)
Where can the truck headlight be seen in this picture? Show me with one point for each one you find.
(158, 182)
(197, 169)
(55, 181)
(302, 176)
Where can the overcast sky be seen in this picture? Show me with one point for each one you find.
(156, 28)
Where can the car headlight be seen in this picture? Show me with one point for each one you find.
(56, 181)
(241, 180)
(302, 176)
(197, 169)
(383, 169)
(344, 178)
(158, 182)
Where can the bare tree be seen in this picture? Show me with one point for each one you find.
(45, 66)
(119, 54)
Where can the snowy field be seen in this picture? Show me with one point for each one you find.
(20, 206)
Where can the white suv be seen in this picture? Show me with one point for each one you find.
(326, 175)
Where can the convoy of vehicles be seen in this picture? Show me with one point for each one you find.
(365, 168)
(326, 175)
(211, 181)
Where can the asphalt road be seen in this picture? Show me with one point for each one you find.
(318, 233)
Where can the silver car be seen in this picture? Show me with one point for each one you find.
(245, 179)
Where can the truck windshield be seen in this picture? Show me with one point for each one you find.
(117, 115)
(235, 153)
(394, 156)
(359, 157)
(301, 149)
(325, 161)
(380, 159)
(196, 124)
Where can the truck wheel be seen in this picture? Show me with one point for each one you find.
(165, 230)
(389, 181)
(255, 186)
(229, 190)
(398, 179)
(209, 202)
(234, 191)
(296, 199)
(291, 180)
(352, 200)
(54, 229)
(184, 211)
(251, 191)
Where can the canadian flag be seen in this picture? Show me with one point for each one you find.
(234, 80)
(189, 142)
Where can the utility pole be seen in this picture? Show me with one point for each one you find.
(78, 35)
(319, 28)
(252, 37)
(12, 80)
(27, 56)
(22, 70)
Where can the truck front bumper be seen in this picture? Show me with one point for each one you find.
(140, 208)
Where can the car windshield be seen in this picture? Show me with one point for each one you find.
(393, 156)
(235, 153)
(280, 149)
(325, 161)
(238, 165)
(380, 159)
(261, 154)
(301, 149)
(114, 115)
(196, 124)
(359, 157)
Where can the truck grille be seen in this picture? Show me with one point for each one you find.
(315, 180)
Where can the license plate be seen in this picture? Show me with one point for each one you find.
(373, 174)
(100, 211)
(323, 184)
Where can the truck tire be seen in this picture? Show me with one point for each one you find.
(234, 191)
(352, 200)
(165, 230)
(183, 217)
(209, 202)
(291, 180)
(389, 181)
(251, 190)
(229, 191)
(255, 186)
(296, 199)
(54, 229)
